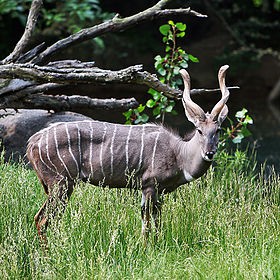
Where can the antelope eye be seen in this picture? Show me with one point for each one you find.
(199, 131)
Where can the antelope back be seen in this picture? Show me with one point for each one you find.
(101, 151)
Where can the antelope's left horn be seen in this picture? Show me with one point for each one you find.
(225, 93)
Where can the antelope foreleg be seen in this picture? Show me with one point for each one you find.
(41, 222)
(149, 205)
(54, 205)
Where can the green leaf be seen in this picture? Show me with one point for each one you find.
(163, 99)
(164, 39)
(184, 64)
(171, 22)
(151, 103)
(152, 91)
(241, 114)
(193, 58)
(156, 111)
(167, 49)
(162, 71)
(245, 132)
(181, 26)
(156, 95)
(169, 108)
(180, 35)
(164, 29)
(238, 139)
(248, 120)
(158, 61)
(141, 108)
(128, 113)
(158, 58)
(176, 70)
(144, 118)
(128, 122)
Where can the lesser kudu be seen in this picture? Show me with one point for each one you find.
(94, 151)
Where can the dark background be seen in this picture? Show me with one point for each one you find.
(255, 70)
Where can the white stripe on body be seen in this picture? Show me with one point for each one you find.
(70, 149)
(91, 148)
(33, 161)
(112, 150)
(48, 155)
(40, 155)
(80, 149)
(58, 154)
(154, 151)
(126, 148)
(142, 149)
(101, 149)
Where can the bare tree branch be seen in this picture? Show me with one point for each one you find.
(51, 76)
(30, 25)
(93, 75)
(70, 103)
(114, 25)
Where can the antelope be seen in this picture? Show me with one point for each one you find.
(93, 151)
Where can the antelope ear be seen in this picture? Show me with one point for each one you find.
(193, 112)
(223, 114)
(193, 115)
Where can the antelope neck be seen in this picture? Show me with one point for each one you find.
(190, 158)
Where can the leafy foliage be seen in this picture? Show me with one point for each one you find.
(73, 15)
(236, 132)
(59, 18)
(66, 16)
(168, 67)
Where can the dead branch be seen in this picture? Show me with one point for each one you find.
(29, 28)
(73, 103)
(114, 25)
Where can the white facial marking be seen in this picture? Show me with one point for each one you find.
(188, 177)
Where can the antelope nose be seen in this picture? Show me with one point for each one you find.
(210, 155)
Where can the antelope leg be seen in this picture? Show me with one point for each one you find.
(149, 205)
(52, 207)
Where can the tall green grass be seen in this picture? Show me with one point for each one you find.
(223, 226)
